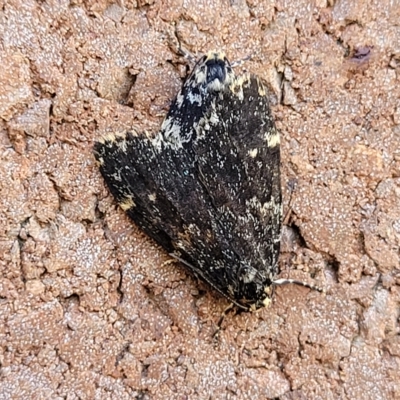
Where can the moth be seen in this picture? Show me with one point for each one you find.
(207, 186)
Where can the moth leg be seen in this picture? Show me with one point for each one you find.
(288, 215)
(222, 317)
(170, 261)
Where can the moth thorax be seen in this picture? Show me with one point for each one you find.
(218, 71)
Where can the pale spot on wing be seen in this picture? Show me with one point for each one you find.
(127, 203)
(261, 88)
(152, 197)
(194, 98)
(253, 153)
(111, 137)
(273, 139)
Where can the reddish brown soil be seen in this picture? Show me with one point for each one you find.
(90, 308)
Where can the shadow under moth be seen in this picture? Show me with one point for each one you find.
(207, 186)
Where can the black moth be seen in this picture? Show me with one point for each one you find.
(207, 186)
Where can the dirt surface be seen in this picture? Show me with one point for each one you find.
(92, 309)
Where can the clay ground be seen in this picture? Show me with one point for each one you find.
(91, 309)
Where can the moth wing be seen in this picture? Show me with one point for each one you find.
(129, 166)
(238, 157)
(159, 188)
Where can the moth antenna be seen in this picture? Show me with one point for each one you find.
(187, 54)
(181, 260)
(279, 282)
(176, 46)
(238, 63)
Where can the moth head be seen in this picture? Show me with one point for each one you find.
(213, 72)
